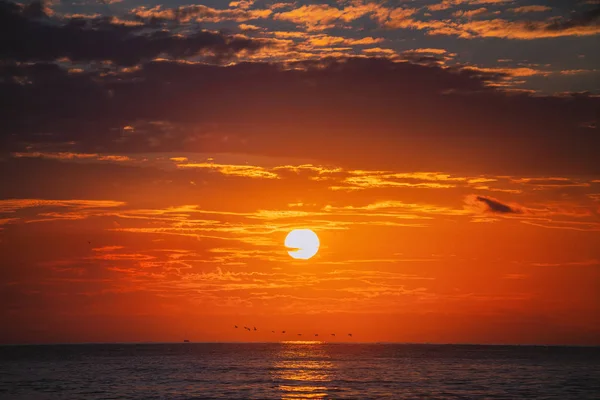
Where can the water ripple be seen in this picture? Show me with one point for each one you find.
(297, 371)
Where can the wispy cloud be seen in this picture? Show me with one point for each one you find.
(10, 205)
(74, 156)
(568, 225)
(528, 9)
(201, 13)
(551, 182)
(583, 263)
(394, 207)
(248, 171)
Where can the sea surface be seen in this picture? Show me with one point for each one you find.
(298, 371)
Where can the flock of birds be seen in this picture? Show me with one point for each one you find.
(283, 332)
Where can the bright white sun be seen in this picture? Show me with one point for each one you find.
(303, 242)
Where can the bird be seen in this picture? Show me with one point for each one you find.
(89, 242)
(282, 331)
(255, 329)
(350, 334)
(316, 334)
(272, 331)
(299, 334)
(235, 326)
(333, 334)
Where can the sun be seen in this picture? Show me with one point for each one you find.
(304, 242)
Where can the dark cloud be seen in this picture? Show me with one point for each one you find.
(495, 206)
(426, 59)
(27, 33)
(413, 115)
(587, 18)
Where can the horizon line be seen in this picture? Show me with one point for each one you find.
(302, 342)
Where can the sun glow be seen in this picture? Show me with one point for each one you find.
(301, 342)
(303, 243)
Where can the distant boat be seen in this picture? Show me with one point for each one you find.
(186, 341)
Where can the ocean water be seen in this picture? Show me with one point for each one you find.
(298, 371)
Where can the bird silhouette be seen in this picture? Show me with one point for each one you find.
(235, 326)
(89, 242)
(316, 334)
(350, 334)
(282, 331)
(299, 334)
(333, 334)
(272, 331)
(255, 329)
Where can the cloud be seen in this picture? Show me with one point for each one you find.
(326, 40)
(378, 51)
(322, 16)
(568, 225)
(426, 56)
(6, 221)
(578, 71)
(553, 215)
(250, 27)
(11, 205)
(585, 263)
(508, 73)
(102, 39)
(107, 256)
(470, 13)
(494, 189)
(318, 169)
(528, 9)
(582, 24)
(244, 4)
(364, 179)
(107, 248)
(91, 109)
(314, 16)
(491, 205)
(584, 19)
(373, 182)
(428, 51)
(446, 4)
(199, 13)
(249, 171)
(522, 30)
(398, 18)
(73, 156)
(395, 208)
(550, 182)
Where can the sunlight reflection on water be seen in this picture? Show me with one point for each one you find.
(303, 370)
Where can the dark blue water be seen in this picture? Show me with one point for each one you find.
(298, 371)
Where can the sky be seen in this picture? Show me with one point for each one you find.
(154, 156)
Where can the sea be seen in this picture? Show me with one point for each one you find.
(297, 370)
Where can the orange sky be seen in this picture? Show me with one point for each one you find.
(405, 256)
(154, 156)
